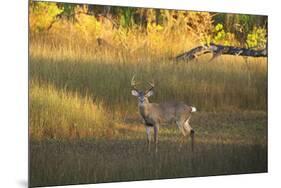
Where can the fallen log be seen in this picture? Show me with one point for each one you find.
(218, 50)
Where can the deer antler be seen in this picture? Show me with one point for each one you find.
(152, 85)
(133, 83)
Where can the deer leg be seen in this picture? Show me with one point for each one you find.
(156, 128)
(192, 133)
(181, 140)
(148, 137)
(189, 131)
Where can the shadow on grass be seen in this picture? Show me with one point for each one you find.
(89, 161)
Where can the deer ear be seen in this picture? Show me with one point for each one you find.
(149, 93)
(135, 93)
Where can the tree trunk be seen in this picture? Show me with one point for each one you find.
(218, 50)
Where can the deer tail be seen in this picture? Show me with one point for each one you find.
(193, 109)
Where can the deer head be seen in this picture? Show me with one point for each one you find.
(142, 95)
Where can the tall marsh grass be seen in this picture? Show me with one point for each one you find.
(59, 114)
(222, 85)
(94, 96)
(77, 82)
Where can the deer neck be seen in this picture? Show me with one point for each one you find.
(144, 109)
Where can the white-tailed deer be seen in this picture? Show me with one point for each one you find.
(155, 114)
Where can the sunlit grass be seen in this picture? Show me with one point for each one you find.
(59, 114)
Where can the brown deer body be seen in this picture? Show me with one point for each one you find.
(155, 114)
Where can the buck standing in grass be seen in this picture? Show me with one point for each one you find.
(155, 114)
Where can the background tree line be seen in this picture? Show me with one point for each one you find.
(222, 28)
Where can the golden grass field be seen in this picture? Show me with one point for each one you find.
(84, 125)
